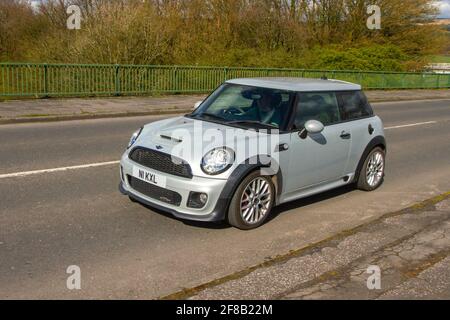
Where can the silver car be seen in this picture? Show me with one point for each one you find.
(254, 144)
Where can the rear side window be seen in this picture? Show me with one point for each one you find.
(321, 106)
(354, 105)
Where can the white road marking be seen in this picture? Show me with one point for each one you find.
(30, 173)
(411, 125)
(104, 164)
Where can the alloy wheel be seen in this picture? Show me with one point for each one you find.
(375, 169)
(256, 200)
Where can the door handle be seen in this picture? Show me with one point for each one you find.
(345, 135)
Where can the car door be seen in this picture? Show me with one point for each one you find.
(357, 112)
(317, 158)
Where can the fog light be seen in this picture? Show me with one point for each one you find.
(197, 200)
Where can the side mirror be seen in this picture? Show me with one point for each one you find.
(311, 127)
(197, 104)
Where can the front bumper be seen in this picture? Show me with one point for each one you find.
(214, 210)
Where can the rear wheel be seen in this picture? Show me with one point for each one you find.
(252, 202)
(371, 176)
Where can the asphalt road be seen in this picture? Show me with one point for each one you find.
(49, 221)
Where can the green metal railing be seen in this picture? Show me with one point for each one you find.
(53, 80)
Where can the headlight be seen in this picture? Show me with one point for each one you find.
(134, 137)
(217, 161)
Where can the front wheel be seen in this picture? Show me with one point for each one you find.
(252, 202)
(371, 176)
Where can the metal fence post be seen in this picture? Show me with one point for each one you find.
(225, 73)
(117, 80)
(360, 75)
(46, 94)
(176, 80)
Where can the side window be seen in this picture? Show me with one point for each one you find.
(354, 105)
(321, 106)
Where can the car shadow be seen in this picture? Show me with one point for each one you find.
(304, 202)
(276, 212)
(197, 224)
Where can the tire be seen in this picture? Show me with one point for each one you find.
(241, 213)
(372, 172)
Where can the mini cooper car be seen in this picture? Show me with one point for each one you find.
(254, 144)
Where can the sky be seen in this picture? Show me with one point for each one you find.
(443, 5)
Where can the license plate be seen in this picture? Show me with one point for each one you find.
(149, 177)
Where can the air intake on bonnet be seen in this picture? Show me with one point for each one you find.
(171, 138)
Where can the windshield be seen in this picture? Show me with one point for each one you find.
(247, 106)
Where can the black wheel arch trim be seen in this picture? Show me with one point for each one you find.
(236, 177)
(377, 141)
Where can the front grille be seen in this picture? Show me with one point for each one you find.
(161, 161)
(155, 192)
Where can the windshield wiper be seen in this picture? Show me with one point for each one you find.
(212, 115)
(253, 122)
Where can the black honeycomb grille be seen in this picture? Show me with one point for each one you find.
(161, 161)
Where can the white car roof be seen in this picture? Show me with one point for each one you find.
(297, 84)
